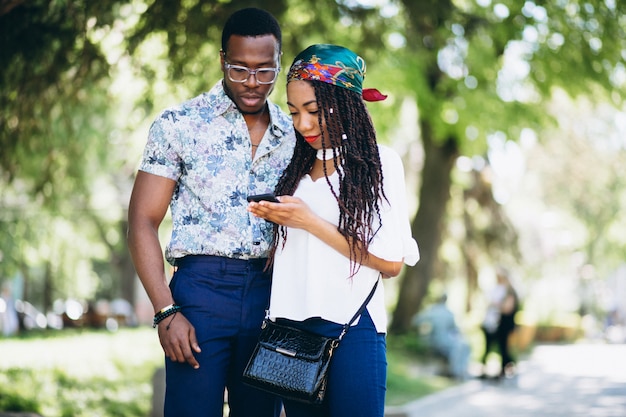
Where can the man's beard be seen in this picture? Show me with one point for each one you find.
(242, 111)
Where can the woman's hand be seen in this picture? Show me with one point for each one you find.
(290, 212)
(295, 213)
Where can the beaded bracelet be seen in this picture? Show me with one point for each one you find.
(165, 312)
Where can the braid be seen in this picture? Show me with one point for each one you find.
(360, 174)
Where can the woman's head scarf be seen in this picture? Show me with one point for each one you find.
(334, 65)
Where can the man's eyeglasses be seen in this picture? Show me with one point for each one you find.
(239, 74)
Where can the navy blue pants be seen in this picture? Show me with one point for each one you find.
(225, 300)
(357, 375)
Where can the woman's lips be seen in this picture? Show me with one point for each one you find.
(311, 139)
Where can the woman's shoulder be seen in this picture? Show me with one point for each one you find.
(387, 152)
(389, 158)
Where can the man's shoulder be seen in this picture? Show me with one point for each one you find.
(206, 105)
(278, 112)
(210, 103)
(280, 119)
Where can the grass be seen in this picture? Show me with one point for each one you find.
(79, 373)
(90, 373)
(411, 371)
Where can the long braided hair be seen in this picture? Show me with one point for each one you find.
(352, 135)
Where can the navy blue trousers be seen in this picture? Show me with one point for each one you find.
(357, 376)
(225, 300)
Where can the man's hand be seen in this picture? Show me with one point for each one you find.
(178, 339)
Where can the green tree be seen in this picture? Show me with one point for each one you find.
(485, 68)
(55, 135)
(581, 167)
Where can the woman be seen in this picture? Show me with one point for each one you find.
(341, 223)
(499, 322)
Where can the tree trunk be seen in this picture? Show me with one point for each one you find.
(471, 269)
(48, 287)
(126, 268)
(426, 228)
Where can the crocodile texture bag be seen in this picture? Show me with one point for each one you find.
(291, 363)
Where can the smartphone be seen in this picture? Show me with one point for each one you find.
(263, 197)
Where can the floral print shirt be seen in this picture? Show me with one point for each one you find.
(204, 145)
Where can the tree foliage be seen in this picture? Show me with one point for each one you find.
(486, 68)
(582, 178)
(51, 103)
(56, 134)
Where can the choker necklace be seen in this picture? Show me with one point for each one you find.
(329, 154)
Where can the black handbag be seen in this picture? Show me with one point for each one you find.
(293, 363)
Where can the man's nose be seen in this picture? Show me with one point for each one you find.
(251, 81)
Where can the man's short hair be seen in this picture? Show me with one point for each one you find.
(251, 22)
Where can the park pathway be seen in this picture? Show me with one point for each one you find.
(577, 380)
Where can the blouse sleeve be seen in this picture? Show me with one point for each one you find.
(393, 240)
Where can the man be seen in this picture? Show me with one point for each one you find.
(202, 159)
(438, 326)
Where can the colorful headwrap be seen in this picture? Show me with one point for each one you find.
(334, 65)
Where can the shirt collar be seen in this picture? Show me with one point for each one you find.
(221, 103)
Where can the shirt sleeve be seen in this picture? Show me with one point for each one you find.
(159, 156)
(393, 240)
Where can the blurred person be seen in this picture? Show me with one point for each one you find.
(10, 320)
(341, 223)
(499, 321)
(122, 311)
(438, 325)
(202, 159)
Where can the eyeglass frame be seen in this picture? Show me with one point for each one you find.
(228, 66)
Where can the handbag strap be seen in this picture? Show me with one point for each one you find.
(359, 311)
(346, 326)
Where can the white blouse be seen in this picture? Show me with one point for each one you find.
(311, 279)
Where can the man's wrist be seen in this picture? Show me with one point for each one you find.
(164, 313)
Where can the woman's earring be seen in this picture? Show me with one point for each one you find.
(330, 110)
(344, 136)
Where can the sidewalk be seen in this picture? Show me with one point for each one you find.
(581, 380)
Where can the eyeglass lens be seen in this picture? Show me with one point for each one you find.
(241, 74)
